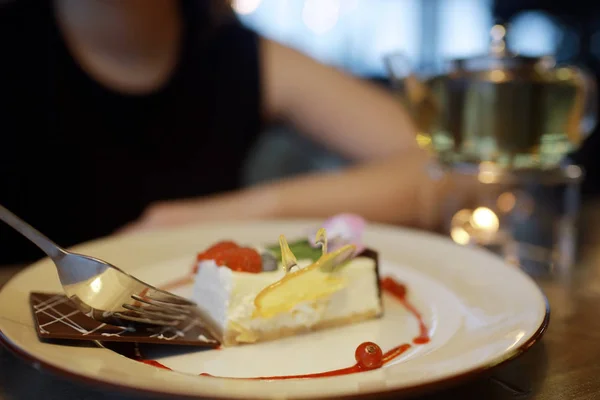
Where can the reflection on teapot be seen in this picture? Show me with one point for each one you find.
(517, 112)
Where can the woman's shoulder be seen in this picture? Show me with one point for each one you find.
(232, 40)
(223, 32)
(227, 49)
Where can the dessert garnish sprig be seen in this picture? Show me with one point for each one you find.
(310, 283)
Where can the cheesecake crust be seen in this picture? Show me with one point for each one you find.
(230, 337)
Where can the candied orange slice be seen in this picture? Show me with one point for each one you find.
(311, 283)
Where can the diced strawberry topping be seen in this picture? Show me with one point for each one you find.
(217, 248)
(242, 259)
(212, 251)
(231, 255)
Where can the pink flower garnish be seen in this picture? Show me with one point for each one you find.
(342, 229)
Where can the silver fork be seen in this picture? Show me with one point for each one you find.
(104, 292)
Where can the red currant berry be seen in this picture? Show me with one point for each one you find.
(369, 355)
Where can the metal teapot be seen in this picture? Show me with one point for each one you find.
(513, 111)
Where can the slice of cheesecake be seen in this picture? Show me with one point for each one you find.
(286, 296)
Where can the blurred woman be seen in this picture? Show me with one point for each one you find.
(142, 112)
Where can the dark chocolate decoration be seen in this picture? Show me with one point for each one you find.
(57, 318)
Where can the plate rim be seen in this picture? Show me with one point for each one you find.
(406, 391)
(421, 388)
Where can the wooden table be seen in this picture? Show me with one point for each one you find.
(564, 365)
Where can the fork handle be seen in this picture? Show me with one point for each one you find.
(48, 246)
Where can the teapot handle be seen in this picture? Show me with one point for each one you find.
(412, 91)
(589, 85)
(398, 67)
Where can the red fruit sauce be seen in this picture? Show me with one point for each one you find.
(390, 286)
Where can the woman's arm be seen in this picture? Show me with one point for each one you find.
(389, 182)
(354, 118)
(394, 190)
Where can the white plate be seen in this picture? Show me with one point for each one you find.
(479, 312)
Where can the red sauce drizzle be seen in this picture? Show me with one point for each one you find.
(387, 357)
(155, 363)
(399, 292)
(387, 284)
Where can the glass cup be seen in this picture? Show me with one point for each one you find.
(529, 217)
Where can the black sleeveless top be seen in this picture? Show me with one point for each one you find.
(78, 160)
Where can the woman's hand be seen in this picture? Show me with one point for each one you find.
(398, 191)
(243, 204)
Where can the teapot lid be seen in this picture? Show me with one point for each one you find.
(500, 58)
